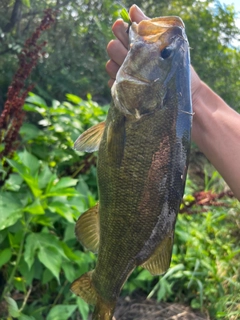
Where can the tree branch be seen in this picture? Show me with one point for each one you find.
(16, 14)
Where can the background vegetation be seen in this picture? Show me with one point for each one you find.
(46, 185)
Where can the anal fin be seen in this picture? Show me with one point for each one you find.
(160, 260)
(89, 140)
(83, 288)
(87, 229)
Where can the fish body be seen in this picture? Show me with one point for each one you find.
(142, 163)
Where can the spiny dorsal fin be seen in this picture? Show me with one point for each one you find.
(160, 260)
(89, 140)
(87, 229)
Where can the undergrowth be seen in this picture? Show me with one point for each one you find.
(46, 185)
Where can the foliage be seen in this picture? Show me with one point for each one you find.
(12, 116)
(77, 43)
(204, 271)
(46, 185)
(50, 185)
(39, 204)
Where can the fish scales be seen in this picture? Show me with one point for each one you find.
(142, 162)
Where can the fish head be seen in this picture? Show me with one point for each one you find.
(158, 48)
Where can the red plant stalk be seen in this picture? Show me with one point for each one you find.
(12, 116)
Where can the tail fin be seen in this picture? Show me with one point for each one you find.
(83, 287)
(103, 310)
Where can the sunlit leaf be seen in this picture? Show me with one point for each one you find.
(125, 16)
(50, 257)
(26, 3)
(10, 208)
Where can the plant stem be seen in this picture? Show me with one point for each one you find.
(59, 293)
(25, 299)
(9, 284)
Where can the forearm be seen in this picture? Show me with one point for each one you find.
(216, 130)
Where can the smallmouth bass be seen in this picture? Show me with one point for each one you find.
(142, 163)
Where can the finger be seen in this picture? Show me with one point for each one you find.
(119, 29)
(116, 51)
(111, 82)
(112, 68)
(136, 14)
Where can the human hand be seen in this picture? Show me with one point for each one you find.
(117, 50)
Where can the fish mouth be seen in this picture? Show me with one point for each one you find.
(122, 76)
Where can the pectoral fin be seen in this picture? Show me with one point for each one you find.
(89, 140)
(87, 229)
(116, 140)
(160, 260)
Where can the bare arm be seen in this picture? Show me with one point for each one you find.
(216, 130)
(216, 126)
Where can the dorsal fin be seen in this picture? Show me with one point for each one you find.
(160, 260)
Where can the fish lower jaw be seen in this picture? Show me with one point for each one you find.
(132, 79)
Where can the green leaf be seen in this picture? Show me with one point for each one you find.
(26, 3)
(45, 176)
(64, 183)
(25, 173)
(30, 247)
(10, 208)
(35, 99)
(73, 98)
(47, 276)
(30, 161)
(29, 131)
(61, 312)
(14, 182)
(35, 208)
(61, 209)
(27, 274)
(69, 271)
(125, 16)
(5, 256)
(83, 308)
(49, 251)
(25, 317)
(12, 307)
(50, 257)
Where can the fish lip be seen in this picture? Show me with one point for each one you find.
(124, 76)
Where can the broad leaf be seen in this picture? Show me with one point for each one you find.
(64, 183)
(61, 312)
(5, 256)
(12, 307)
(10, 208)
(50, 257)
(83, 308)
(29, 161)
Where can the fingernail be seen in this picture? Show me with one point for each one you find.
(139, 9)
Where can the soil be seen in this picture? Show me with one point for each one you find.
(141, 309)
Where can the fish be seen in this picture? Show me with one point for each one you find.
(143, 153)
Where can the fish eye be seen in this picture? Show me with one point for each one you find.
(166, 52)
